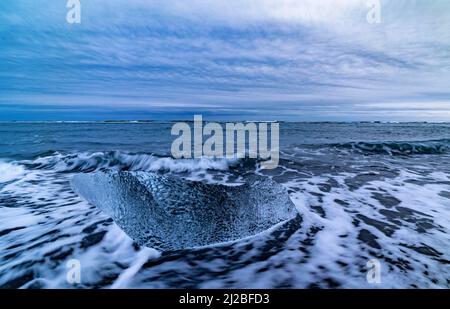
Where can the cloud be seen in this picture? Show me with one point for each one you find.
(282, 57)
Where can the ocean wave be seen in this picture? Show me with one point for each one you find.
(10, 171)
(397, 148)
(123, 161)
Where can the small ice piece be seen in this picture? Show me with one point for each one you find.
(171, 213)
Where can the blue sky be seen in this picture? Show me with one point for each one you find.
(308, 60)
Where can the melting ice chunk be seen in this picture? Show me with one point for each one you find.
(170, 213)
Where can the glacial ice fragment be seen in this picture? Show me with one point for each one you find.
(170, 213)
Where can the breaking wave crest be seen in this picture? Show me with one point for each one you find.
(123, 161)
(9, 172)
(397, 148)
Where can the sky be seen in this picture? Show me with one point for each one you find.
(310, 60)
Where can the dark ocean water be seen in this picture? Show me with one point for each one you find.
(363, 191)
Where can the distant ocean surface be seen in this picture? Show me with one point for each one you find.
(364, 191)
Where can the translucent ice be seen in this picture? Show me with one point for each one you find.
(170, 213)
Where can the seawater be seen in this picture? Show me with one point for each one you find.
(363, 190)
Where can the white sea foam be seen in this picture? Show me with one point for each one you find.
(45, 225)
(10, 172)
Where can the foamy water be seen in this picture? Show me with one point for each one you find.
(9, 172)
(386, 201)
